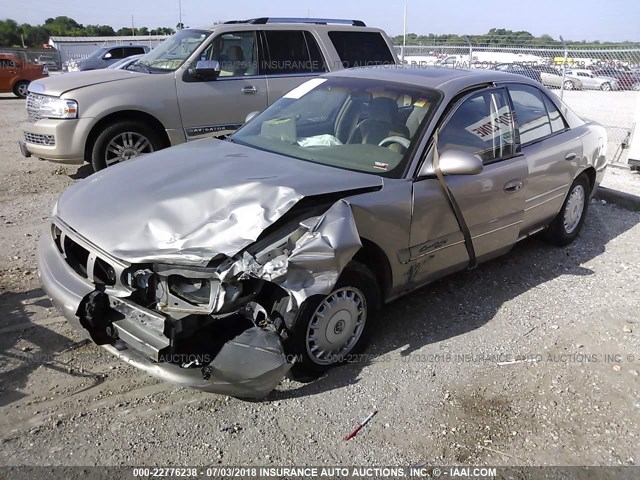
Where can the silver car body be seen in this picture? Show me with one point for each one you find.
(590, 81)
(227, 212)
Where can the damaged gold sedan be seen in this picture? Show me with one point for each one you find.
(223, 264)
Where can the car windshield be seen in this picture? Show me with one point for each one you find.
(173, 52)
(350, 123)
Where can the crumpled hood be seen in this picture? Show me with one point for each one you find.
(188, 203)
(56, 85)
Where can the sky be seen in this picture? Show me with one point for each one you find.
(613, 20)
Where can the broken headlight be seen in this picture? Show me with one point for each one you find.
(194, 290)
(186, 290)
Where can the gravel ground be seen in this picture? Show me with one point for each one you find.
(431, 370)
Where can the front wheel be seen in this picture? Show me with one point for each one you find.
(122, 141)
(21, 89)
(565, 228)
(330, 328)
(606, 86)
(568, 85)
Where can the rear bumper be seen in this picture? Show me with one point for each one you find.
(249, 365)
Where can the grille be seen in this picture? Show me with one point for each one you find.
(39, 139)
(33, 106)
(83, 262)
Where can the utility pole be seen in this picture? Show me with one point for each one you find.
(180, 13)
(133, 30)
(404, 34)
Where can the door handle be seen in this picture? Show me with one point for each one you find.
(249, 89)
(570, 156)
(513, 186)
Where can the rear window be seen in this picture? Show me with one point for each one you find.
(358, 49)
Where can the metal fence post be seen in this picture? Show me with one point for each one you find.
(470, 51)
(564, 65)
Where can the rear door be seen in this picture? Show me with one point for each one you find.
(492, 202)
(552, 152)
(291, 57)
(217, 107)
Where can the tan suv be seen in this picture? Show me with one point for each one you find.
(196, 83)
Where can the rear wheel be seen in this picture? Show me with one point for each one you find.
(568, 85)
(565, 228)
(122, 141)
(606, 86)
(21, 89)
(330, 328)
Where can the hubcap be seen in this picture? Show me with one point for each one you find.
(568, 85)
(125, 146)
(336, 325)
(23, 90)
(606, 86)
(574, 208)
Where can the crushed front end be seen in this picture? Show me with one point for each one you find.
(209, 327)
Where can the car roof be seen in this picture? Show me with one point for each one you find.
(450, 80)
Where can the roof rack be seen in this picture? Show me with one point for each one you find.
(318, 21)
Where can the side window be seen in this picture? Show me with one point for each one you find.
(237, 53)
(481, 125)
(530, 112)
(555, 117)
(358, 49)
(133, 51)
(116, 53)
(288, 51)
(318, 64)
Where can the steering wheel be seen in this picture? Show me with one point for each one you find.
(405, 142)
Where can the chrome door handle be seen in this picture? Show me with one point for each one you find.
(250, 89)
(513, 186)
(570, 156)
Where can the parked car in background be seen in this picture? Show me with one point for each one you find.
(552, 77)
(591, 81)
(626, 79)
(51, 62)
(105, 56)
(125, 62)
(196, 83)
(16, 74)
(519, 69)
(221, 261)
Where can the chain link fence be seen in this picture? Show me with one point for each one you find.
(598, 83)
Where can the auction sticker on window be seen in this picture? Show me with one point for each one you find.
(497, 124)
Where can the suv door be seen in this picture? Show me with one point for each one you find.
(291, 57)
(551, 149)
(492, 202)
(217, 107)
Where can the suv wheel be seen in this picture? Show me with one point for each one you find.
(123, 141)
(21, 89)
(330, 328)
(567, 225)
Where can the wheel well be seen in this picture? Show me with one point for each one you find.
(376, 260)
(590, 172)
(112, 118)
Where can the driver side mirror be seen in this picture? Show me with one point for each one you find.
(454, 162)
(207, 70)
(107, 56)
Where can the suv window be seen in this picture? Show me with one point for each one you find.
(482, 125)
(357, 49)
(237, 53)
(291, 51)
(128, 51)
(116, 53)
(531, 114)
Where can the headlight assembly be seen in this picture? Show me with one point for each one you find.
(52, 107)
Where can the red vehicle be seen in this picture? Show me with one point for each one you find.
(16, 74)
(626, 79)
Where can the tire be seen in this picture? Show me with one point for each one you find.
(606, 86)
(123, 141)
(568, 85)
(355, 282)
(20, 89)
(565, 228)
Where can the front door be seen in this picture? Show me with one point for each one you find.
(217, 107)
(492, 202)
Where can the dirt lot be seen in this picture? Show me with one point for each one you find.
(431, 370)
